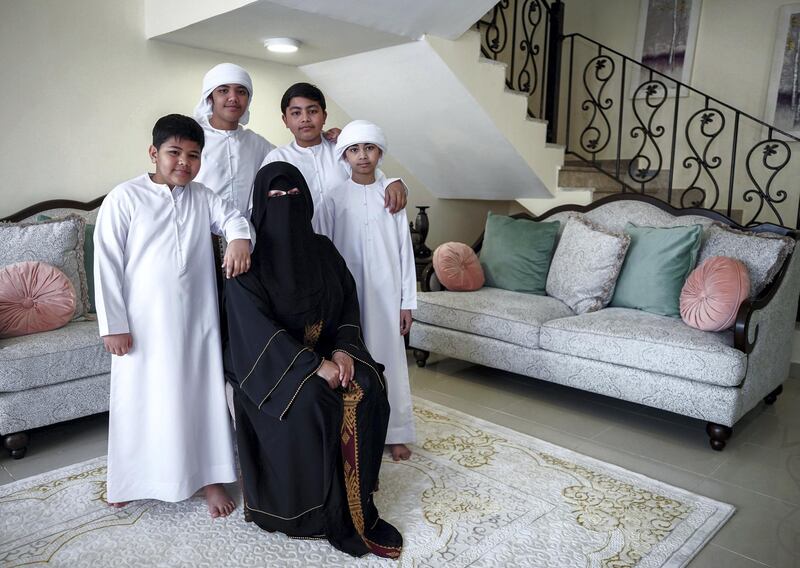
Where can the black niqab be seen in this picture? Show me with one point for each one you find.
(286, 259)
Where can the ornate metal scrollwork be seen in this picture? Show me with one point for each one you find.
(652, 94)
(595, 136)
(528, 78)
(711, 124)
(515, 32)
(775, 155)
(644, 139)
(495, 36)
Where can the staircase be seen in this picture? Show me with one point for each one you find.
(461, 132)
(579, 174)
(494, 112)
(640, 129)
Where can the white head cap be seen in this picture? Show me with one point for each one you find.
(360, 132)
(223, 74)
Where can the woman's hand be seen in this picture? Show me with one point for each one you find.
(345, 364)
(118, 344)
(405, 322)
(237, 258)
(330, 372)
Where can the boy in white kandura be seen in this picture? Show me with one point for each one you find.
(232, 154)
(169, 430)
(376, 244)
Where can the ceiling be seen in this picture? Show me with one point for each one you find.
(436, 128)
(328, 29)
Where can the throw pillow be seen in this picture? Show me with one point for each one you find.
(88, 259)
(516, 253)
(762, 253)
(34, 297)
(58, 242)
(586, 265)
(457, 267)
(658, 262)
(713, 293)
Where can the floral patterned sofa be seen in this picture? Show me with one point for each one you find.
(624, 353)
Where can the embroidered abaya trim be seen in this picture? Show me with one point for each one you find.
(286, 370)
(352, 479)
(261, 355)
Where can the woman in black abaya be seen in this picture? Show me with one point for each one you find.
(310, 402)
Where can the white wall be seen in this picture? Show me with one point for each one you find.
(82, 87)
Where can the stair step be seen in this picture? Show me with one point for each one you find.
(589, 177)
(736, 214)
(607, 165)
(489, 61)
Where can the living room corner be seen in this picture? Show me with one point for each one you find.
(604, 361)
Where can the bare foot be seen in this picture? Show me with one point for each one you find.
(119, 505)
(399, 452)
(219, 502)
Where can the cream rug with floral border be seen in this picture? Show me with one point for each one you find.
(473, 494)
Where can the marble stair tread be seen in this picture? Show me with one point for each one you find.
(590, 177)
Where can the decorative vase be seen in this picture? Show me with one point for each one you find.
(421, 227)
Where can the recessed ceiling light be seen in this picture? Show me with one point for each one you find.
(282, 44)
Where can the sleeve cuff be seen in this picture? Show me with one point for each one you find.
(390, 181)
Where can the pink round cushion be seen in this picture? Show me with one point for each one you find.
(34, 297)
(457, 267)
(713, 293)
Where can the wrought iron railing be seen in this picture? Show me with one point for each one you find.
(648, 132)
(652, 133)
(525, 34)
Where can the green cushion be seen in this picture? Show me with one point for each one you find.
(657, 264)
(88, 259)
(516, 253)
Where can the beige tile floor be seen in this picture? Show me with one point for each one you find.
(759, 471)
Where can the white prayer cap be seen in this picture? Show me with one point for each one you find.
(223, 74)
(360, 132)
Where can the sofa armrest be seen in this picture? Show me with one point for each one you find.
(741, 328)
(763, 330)
(745, 329)
(429, 282)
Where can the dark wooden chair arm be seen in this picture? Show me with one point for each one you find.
(429, 282)
(53, 204)
(741, 328)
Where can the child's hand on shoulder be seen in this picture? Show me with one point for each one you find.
(405, 322)
(332, 135)
(395, 198)
(118, 344)
(237, 258)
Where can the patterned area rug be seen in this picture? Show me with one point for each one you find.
(473, 494)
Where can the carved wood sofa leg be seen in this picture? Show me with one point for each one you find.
(719, 435)
(773, 396)
(421, 356)
(17, 444)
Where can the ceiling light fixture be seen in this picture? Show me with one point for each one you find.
(282, 44)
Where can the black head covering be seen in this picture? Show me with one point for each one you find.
(286, 260)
